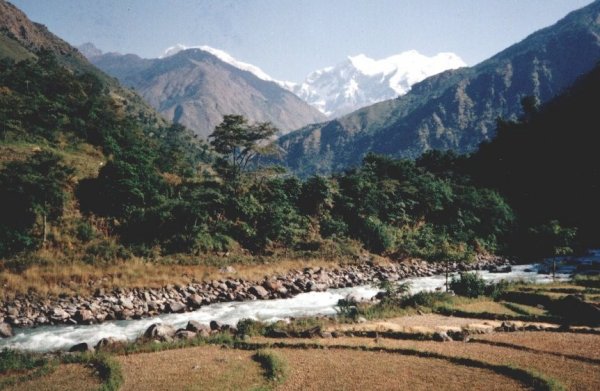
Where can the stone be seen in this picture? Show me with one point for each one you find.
(273, 286)
(215, 325)
(259, 291)
(441, 336)
(84, 316)
(184, 334)
(277, 333)
(5, 330)
(195, 300)
(126, 303)
(196, 326)
(81, 347)
(509, 326)
(311, 333)
(107, 342)
(176, 306)
(59, 314)
(160, 331)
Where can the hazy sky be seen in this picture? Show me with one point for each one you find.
(290, 38)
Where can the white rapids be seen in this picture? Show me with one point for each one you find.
(51, 338)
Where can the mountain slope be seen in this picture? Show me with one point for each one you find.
(546, 164)
(196, 88)
(22, 39)
(361, 81)
(455, 109)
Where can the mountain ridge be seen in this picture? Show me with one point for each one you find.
(197, 88)
(456, 109)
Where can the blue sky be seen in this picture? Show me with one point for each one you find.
(290, 38)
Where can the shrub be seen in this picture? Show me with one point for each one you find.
(469, 284)
(250, 327)
(425, 299)
(275, 367)
(348, 308)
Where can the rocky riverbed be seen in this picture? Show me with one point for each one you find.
(123, 304)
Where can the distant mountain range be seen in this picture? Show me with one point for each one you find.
(361, 81)
(197, 86)
(456, 109)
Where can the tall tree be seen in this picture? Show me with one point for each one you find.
(30, 191)
(240, 142)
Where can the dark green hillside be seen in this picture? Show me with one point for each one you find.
(547, 164)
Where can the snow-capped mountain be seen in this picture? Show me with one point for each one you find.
(361, 81)
(225, 57)
(357, 82)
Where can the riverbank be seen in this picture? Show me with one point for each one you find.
(32, 309)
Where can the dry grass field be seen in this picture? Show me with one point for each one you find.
(65, 377)
(202, 368)
(564, 360)
(336, 369)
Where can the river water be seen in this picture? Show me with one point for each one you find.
(51, 338)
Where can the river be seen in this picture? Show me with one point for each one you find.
(51, 338)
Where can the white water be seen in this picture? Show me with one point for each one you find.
(50, 338)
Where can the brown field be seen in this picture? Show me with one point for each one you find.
(584, 345)
(64, 377)
(201, 368)
(490, 306)
(566, 358)
(573, 374)
(336, 369)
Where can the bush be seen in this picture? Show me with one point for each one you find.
(469, 284)
(348, 308)
(250, 327)
(425, 299)
(105, 251)
(275, 367)
(496, 290)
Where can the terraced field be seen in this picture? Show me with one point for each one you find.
(396, 353)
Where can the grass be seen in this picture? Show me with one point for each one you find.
(275, 367)
(197, 368)
(527, 377)
(572, 374)
(56, 277)
(108, 369)
(18, 367)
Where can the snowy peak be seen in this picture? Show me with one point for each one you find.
(361, 81)
(221, 55)
(354, 83)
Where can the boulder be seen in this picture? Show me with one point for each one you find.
(197, 327)
(259, 291)
(195, 300)
(441, 336)
(277, 333)
(160, 331)
(81, 347)
(176, 306)
(59, 314)
(184, 334)
(5, 330)
(84, 316)
(107, 342)
(311, 333)
(215, 325)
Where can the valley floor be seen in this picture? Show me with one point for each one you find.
(499, 361)
(395, 352)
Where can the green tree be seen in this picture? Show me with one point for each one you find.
(240, 142)
(31, 190)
